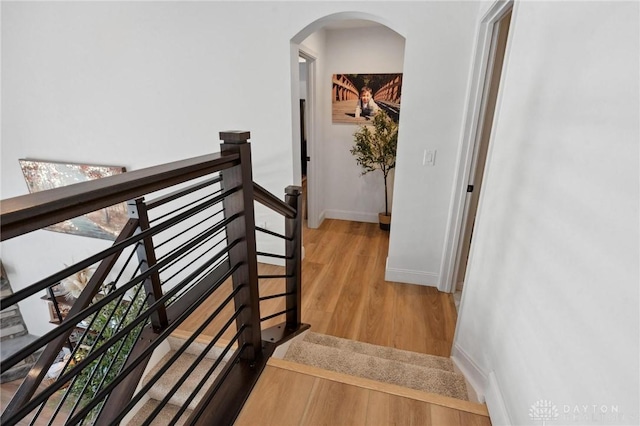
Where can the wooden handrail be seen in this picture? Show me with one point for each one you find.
(269, 200)
(26, 213)
(155, 319)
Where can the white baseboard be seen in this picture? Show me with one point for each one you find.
(411, 277)
(486, 386)
(352, 216)
(495, 403)
(471, 371)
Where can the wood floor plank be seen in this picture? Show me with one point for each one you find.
(401, 391)
(392, 410)
(347, 317)
(287, 396)
(411, 329)
(318, 320)
(377, 325)
(444, 416)
(469, 419)
(346, 296)
(336, 404)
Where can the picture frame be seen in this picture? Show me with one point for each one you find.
(105, 223)
(385, 92)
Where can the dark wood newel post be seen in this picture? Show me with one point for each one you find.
(293, 231)
(244, 230)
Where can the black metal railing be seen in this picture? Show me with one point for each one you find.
(176, 267)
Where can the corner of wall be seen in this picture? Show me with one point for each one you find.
(485, 386)
(495, 402)
(470, 370)
(409, 276)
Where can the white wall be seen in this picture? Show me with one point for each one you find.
(369, 50)
(550, 304)
(437, 66)
(142, 83)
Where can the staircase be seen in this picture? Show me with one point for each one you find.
(421, 372)
(163, 386)
(13, 335)
(396, 368)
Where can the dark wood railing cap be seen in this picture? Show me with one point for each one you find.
(235, 136)
(293, 190)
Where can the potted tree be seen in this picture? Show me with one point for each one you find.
(375, 149)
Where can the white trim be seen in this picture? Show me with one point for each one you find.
(352, 216)
(322, 217)
(408, 276)
(471, 371)
(495, 403)
(314, 172)
(473, 117)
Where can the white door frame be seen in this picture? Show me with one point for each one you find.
(483, 62)
(314, 171)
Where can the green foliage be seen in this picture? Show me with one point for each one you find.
(375, 147)
(109, 320)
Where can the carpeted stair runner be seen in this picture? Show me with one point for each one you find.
(413, 370)
(162, 387)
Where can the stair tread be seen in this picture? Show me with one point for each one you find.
(163, 386)
(12, 345)
(407, 357)
(399, 373)
(196, 347)
(163, 418)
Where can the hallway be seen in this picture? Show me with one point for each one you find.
(345, 294)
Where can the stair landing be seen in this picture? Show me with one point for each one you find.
(285, 394)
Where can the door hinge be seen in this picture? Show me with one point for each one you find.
(469, 188)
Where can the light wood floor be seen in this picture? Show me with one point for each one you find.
(285, 397)
(344, 294)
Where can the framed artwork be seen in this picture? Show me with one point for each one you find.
(357, 97)
(105, 223)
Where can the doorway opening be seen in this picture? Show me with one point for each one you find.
(489, 63)
(306, 136)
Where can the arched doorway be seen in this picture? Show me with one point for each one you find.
(318, 127)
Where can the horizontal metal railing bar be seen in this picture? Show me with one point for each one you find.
(277, 256)
(147, 352)
(197, 361)
(50, 390)
(211, 232)
(152, 204)
(70, 322)
(122, 342)
(104, 351)
(269, 200)
(276, 314)
(126, 263)
(275, 296)
(114, 358)
(59, 276)
(141, 392)
(157, 246)
(187, 302)
(185, 254)
(191, 286)
(184, 206)
(275, 234)
(26, 213)
(223, 376)
(268, 277)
